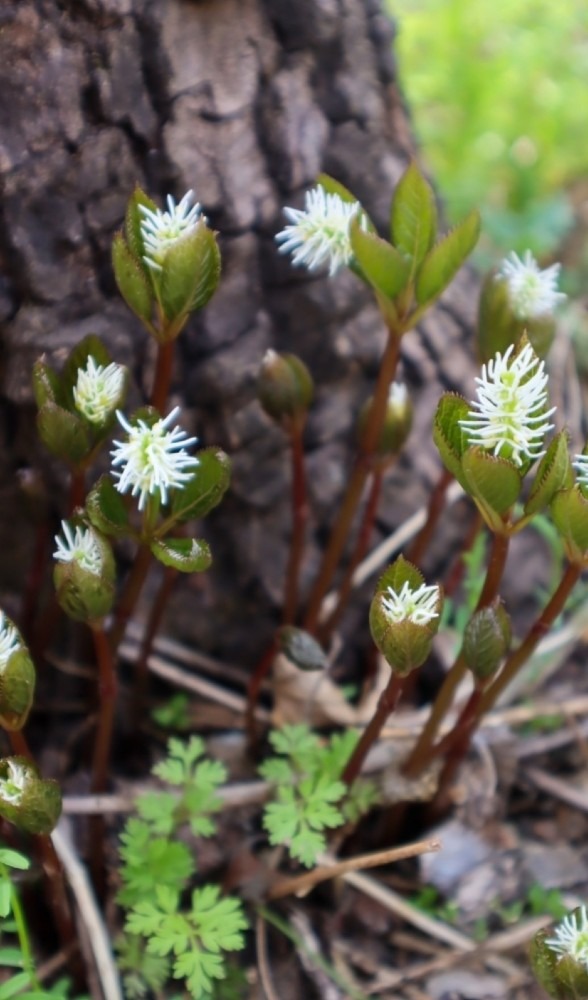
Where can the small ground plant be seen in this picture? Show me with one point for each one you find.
(507, 450)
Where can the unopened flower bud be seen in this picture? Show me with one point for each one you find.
(17, 677)
(486, 639)
(285, 389)
(301, 648)
(519, 298)
(404, 616)
(32, 803)
(560, 961)
(84, 573)
(397, 423)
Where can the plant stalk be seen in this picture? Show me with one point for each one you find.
(53, 874)
(435, 509)
(154, 621)
(344, 520)
(163, 373)
(107, 686)
(130, 595)
(299, 519)
(421, 753)
(327, 627)
(387, 703)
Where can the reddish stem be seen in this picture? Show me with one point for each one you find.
(130, 595)
(255, 681)
(456, 743)
(163, 373)
(369, 516)
(153, 623)
(107, 687)
(299, 519)
(386, 705)
(53, 875)
(455, 574)
(343, 521)
(77, 490)
(435, 509)
(421, 753)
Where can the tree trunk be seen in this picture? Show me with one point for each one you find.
(245, 101)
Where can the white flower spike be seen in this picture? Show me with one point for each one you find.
(509, 417)
(160, 230)
(98, 390)
(580, 464)
(532, 293)
(570, 937)
(13, 786)
(78, 546)
(9, 640)
(418, 606)
(153, 459)
(319, 234)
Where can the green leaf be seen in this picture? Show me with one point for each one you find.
(445, 259)
(14, 859)
(64, 434)
(149, 861)
(131, 279)
(569, 510)
(133, 220)
(553, 474)
(188, 555)
(47, 386)
(413, 226)
(331, 186)
(493, 480)
(15, 985)
(385, 269)
(300, 814)
(5, 899)
(397, 574)
(106, 509)
(208, 484)
(448, 436)
(10, 958)
(191, 272)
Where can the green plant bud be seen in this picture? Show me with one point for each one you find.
(569, 511)
(84, 573)
(301, 648)
(17, 689)
(397, 423)
(404, 616)
(560, 960)
(17, 676)
(32, 803)
(486, 640)
(285, 389)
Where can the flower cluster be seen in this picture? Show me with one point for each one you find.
(12, 786)
(510, 417)
(153, 459)
(570, 937)
(418, 606)
(160, 230)
(319, 234)
(98, 390)
(9, 640)
(78, 546)
(532, 292)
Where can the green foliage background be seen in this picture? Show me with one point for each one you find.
(498, 95)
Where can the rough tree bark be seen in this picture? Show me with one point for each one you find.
(244, 101)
